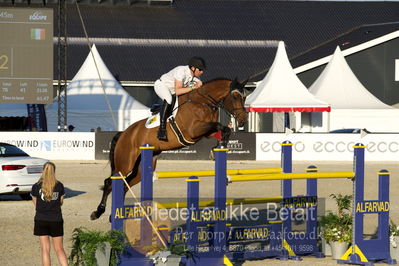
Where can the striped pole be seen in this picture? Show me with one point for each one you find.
(146, 193)
(286, 161)
(220, 230)
(146, 173)
(311, 191)
(383, 218)
(211, 203)
(358, 195)
(286, 186)
(185, 174)
(193, 208)
(290, 176)
(118, 200)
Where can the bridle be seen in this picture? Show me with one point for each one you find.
(215, 105)
(231, 111)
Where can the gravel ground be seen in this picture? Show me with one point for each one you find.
(83, 178)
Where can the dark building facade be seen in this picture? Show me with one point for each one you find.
(139, 42)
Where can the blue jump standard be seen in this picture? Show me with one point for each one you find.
(365, 252)
(282, 246)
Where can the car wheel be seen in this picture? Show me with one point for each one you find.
(25, 196)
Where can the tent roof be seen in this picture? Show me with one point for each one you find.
(338, 85)
(88, 84)
(95, 98)
(282, 91)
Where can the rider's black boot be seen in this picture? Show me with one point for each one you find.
(163, 115)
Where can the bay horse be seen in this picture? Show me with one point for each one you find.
(196, 117)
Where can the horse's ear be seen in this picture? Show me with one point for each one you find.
(234, 84)
(243, 83)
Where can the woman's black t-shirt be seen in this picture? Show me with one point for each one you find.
(48, 210)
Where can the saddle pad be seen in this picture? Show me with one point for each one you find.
(152, 121)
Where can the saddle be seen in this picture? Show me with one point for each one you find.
(155, 108)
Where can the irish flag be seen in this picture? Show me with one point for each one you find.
(37, 34)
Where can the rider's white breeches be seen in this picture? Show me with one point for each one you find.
(163, 91)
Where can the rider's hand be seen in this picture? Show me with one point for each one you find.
(198, 84)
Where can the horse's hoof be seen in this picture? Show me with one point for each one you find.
(93, 216)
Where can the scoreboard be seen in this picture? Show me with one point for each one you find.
(26, 55)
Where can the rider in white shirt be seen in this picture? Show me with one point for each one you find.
(178, 81)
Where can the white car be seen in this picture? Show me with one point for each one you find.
(18, 171)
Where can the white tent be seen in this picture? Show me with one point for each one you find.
(281, 91)
(89, 104)
(352, 105)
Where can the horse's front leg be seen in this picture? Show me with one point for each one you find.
(214, 127)
(226, 132)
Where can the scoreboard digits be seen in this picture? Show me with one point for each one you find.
(26, 55)
(3, 62)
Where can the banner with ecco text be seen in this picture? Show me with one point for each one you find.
(313, 147)
(328, 147)
(53, 145)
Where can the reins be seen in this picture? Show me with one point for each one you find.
(220, 104)
(189, 100)
(214, 105)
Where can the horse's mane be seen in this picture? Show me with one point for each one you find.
(195, 93)
(215, 79)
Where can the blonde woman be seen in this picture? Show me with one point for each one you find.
(47, 196)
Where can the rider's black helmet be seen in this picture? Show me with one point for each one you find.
(197, 62)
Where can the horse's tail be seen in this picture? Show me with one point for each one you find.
(112, 151)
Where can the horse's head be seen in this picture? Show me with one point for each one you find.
(234, 102)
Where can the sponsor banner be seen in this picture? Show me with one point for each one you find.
(103, 144)
(53, 145)
(328, 147)
(199, 151)
(241, 147)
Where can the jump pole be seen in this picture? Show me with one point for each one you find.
(294, 247)
(355, 254)
(218, 243)
(211, 203)
(361, 251)
(135, 257)
(185, 174)
(118, 214)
